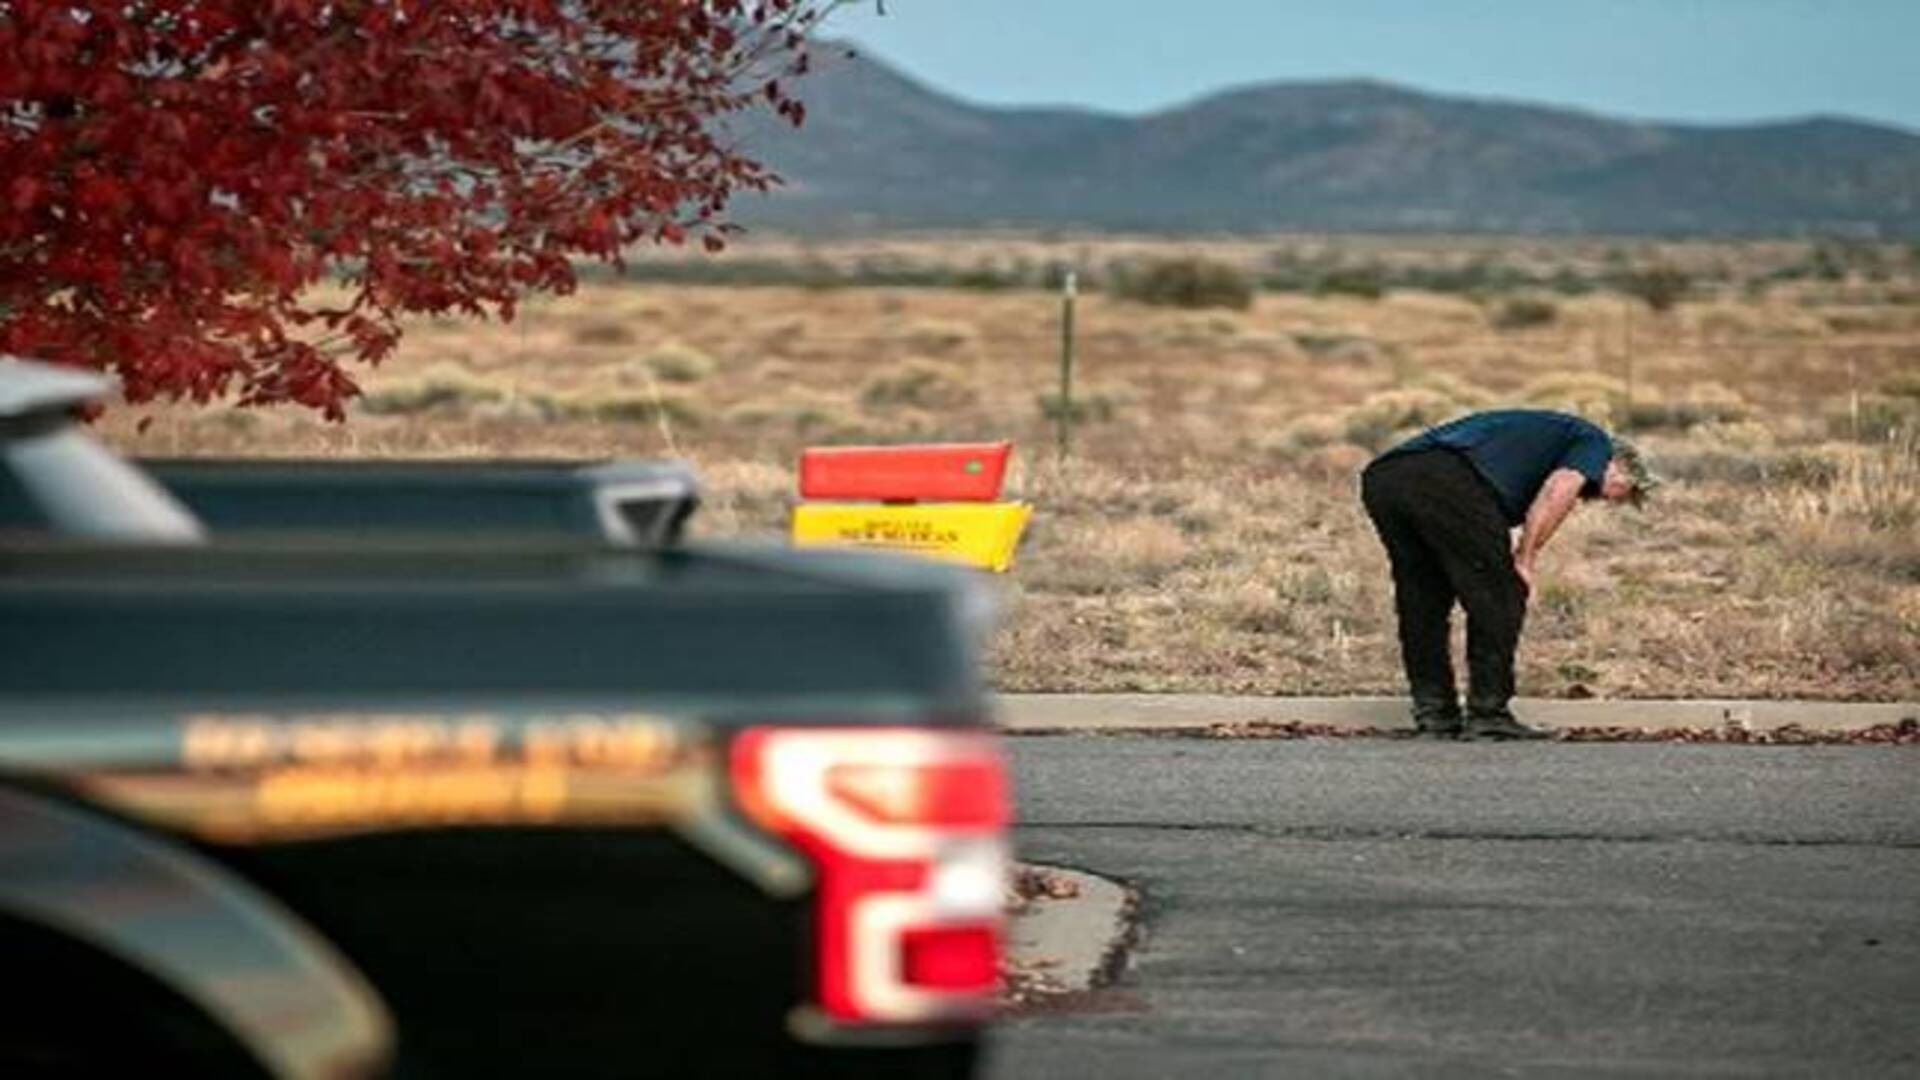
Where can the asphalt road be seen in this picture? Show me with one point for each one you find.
(1382, 908)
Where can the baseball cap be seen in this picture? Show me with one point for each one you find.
(1645, 480)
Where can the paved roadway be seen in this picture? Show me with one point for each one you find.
(1382, 908)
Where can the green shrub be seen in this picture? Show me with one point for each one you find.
(1867, 322)
(1705, 404)
(1569, 282)
(940, 335)
(1587, 394)
(1522, 312)
(1881, 418)
(924, 384)
(1827, 263)
(1384, 418)
(1754, 467)
(984, 278)
(1559, 600)
(1452, 387)
(636, 409)
(443, 388)
(1213, 328)
(1094, 408)
(1338, 346)
(678, 363)
(1658, 287)
(1365, 282)
(1190, 282)
(617, 408)
(1311, 433)
(1904, 385)
(602, 332)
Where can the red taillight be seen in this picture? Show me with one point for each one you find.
(949, 794)
(906, 830)
(965, 958)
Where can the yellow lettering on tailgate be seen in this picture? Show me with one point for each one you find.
(226, 742)
(317, 797)
(628, 740)
(212, 741)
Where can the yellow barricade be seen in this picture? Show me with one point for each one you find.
(977, 534)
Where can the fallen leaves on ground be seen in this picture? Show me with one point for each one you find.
(1030, 883)
(1901, 733)
(1025, 983)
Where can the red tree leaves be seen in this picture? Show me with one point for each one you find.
(176, 174)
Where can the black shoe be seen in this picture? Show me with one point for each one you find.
(1499, 727)
(1436, 722)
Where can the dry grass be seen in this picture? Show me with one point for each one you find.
(1204, 534)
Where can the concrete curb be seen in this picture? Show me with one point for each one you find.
(1050, 713)
(1065, 945)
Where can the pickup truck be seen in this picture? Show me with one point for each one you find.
(410, 803)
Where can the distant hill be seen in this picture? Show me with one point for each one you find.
(881, 150)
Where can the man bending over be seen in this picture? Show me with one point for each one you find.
(1443, 503)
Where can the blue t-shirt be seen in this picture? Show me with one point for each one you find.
(1516, 450)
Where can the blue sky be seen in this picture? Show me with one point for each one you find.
(1695, 60)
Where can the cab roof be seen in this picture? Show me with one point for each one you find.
(30, 387)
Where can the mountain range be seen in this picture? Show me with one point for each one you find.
(881, 150)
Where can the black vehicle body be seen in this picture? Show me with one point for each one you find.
(622, 502)
(438, 806)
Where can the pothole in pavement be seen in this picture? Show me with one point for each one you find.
(1069, 932)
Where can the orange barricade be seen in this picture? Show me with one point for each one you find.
(945, 472)
(936, 500)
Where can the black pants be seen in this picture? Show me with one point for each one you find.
(1448, 542)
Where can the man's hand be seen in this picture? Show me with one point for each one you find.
(1549, 509)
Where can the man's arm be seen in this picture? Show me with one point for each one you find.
(1550, 508)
